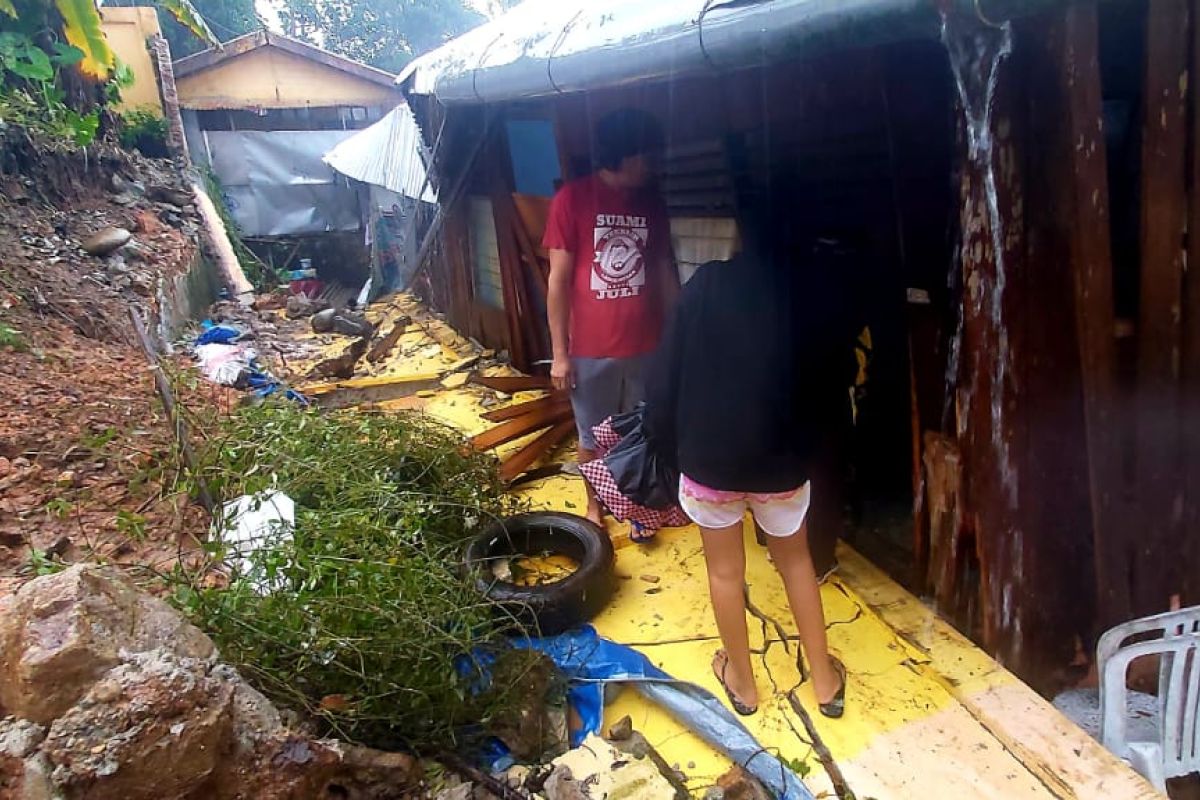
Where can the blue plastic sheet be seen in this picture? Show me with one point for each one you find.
(217, 334)
(591, 662)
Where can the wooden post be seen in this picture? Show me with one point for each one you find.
(1159, 335)
(993, 239)
(1083, 210)
(1190, 399)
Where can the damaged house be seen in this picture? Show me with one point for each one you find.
(260, 113)
(1016, 179)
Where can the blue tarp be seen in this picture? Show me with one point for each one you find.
(591, 663)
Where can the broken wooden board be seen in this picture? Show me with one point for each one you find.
(343, 364)
(943, 492)
(520, 426)
(385, 344)
(357, 391)
(518, 462)
(520, 409)
(510, 384)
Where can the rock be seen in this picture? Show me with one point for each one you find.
(106, 241)
(61, 633)
(282, 766)
(19, 738)
(120, 186)
(461, 791)
(322, 321)
(352, 325)
(597, 770)
(737, 784)
(143, 284)
(622, 729)
(300, 306)
(154, 727)
(170, 196)
(146, 222)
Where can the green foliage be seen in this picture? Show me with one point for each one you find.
(11, 337)
(83, 29)
(29, 96)
(383, 33)
(131, 525)
(144, 129)
(59, 507)
(44, 563)
(23, 58)
(227, 18)
(361, 616)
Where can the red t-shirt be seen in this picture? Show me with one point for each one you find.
(619, 239)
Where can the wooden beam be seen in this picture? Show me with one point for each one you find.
(518, 462)
(521, 426)
(1190, 383)
(991, 196)
(520, 409)
(384, 345)
(1083, 209)
(1159, 335)
(510, 384)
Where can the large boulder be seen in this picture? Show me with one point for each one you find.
(153, 727)
(60, 633)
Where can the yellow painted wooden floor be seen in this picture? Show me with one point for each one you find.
(928, 715)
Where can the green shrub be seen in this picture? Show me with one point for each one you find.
(368, 617)
(144, 129)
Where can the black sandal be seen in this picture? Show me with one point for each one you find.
(837, 706)
(738, 706)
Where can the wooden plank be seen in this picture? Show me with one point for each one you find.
(943, 492)
(1190, 383)
(510, 384)
(520, 409)
(1083, 210)
(384, 345)
(521, 426)
(518, 462)
(1157, 478)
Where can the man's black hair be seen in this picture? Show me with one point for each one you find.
(626, 133)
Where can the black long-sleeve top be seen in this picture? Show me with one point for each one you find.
(748, 372)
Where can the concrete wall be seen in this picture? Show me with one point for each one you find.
(272, 78)
(127, 30)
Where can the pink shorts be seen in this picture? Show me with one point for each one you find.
(778, 514)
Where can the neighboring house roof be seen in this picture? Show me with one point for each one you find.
(546, 47)
(212, 57)
(386, 154)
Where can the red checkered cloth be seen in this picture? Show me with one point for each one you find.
(597, 474)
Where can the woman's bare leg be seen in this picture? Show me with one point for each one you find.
(794, 563)
(726, 558)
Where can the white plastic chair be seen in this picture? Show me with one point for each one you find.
(1175, 638)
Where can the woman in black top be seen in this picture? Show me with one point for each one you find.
(730, 396)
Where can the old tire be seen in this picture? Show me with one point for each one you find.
(554, 607)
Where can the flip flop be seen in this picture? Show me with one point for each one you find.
(837, 706)
(639, 534)
(738, 706)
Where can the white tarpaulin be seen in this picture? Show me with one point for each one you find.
(276, 184)
(386, 154)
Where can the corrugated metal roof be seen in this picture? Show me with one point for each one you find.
(544, 47)
(386, 154)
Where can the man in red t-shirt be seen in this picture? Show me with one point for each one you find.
(611, 276)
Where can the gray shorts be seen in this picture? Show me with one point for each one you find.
(604, 387)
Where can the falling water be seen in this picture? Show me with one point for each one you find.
(976, 52)
(975, 58)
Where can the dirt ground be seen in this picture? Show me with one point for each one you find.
(86, 464)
